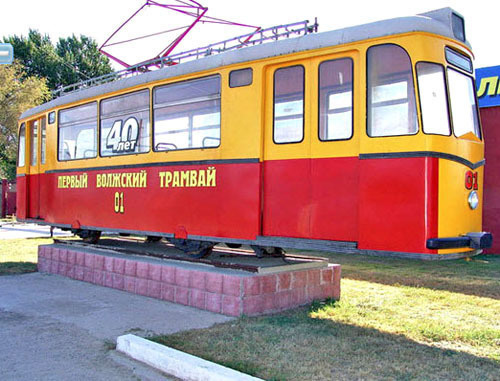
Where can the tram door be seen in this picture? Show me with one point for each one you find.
(34, 171)
(286, 168)
(310, 170)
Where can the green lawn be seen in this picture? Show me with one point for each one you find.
(478, 276)
(20, 255)
(397, 319)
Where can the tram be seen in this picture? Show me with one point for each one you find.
(360, 140)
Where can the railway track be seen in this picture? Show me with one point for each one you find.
(222, 257)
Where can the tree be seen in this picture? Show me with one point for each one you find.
(73, 59)
(40, 66)
(18, 93)
(37, 54)
(85, 60)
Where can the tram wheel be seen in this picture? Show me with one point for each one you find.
(267, 251)
(233, 245)
(153, 238)
(203, 253)
(195, 249)
(90, 236)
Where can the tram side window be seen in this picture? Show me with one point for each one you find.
(433, 100)
(187, 115)
(78, 132)
(44, 141)
(125, 124)
(241, 77)
(335, 99)
(34, 142)
(22, 146)
(391, 97)
(288, 105)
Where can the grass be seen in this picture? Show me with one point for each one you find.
(14, 268)
(19, 256)
(8, 220)
(478, 276)
(397, 319)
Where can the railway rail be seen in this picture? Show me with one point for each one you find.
(222, 257)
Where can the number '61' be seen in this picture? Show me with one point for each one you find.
(471, 180)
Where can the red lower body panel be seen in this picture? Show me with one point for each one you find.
(229, 208)
(382, 204)
(34, 196)
(398, 204)
(21, 197)
(311, 198)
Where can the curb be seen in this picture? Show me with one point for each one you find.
(176, 363)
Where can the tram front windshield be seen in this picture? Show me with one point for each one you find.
(463, 104)
(436, 113)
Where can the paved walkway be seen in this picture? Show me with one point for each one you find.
(17, 230)
(54, 328)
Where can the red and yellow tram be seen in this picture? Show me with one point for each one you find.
(365, 139)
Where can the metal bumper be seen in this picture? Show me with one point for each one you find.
(480, 240)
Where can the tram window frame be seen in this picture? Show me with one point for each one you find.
(447, 98)
(410, 91)
(96, 130)
(34, 142)
(22, 133)
(303, 93)
(217, 97)
(328, 94)
(234, 73)
(123, 116)
(452, 119)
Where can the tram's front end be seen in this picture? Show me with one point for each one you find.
(422, 161)
(450, 118)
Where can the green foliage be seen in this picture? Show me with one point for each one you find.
(40, 66)
(37, 54)
(84, 59)
(18, 92)
(71, 60)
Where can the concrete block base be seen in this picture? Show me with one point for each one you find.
(226, 291)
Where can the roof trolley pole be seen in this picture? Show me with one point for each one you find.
(167, 57)
(189, 8)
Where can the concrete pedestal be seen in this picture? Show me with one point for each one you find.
(226, 291)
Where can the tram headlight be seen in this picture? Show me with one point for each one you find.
(473, 200)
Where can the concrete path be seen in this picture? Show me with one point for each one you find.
(54, 328)
(15, 230)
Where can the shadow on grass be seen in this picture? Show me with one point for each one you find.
(294, 346)
(13, 268)
(480, 276)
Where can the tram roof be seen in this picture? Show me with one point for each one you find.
(435, 22)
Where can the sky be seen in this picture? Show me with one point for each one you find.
(99, 18)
